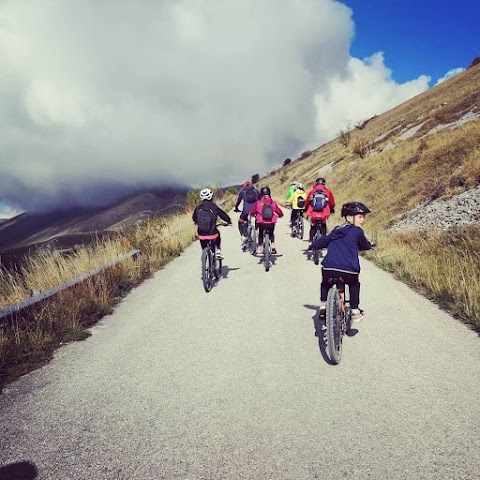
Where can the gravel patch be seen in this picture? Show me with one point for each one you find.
(462, 209)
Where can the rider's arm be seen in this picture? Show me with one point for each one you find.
(223, 215)
(363, 243)
(322, 242)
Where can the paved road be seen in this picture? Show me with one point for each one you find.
(234, 384)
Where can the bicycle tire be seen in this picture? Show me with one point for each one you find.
(300, 227)
(207, 260)
(252, 240)
(266, 251)
(316, 251)
(218, 268)
(334, 322)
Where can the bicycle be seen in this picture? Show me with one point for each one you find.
(319, 231)
(211, 264)
(250, 242)
(338, 318)
(298, 226)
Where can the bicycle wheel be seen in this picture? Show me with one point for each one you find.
(252, 239)
(266, 251)
(207, 267)
(300, 227)
(316, 251)
(218, 268)
(334, 322)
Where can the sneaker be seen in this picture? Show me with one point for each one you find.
(357, 315)
(259, 250)
(220, 255)
(322, 313)
(274, 251)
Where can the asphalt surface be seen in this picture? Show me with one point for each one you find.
(234, 384)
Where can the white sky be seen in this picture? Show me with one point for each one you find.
(103, 96)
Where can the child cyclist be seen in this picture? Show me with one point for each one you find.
(205, 216)
(266, 213)
(297, 200)
(344, 243)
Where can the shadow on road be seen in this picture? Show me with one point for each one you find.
(226, 270)
(19, 471)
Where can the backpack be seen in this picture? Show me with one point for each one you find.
(206, 218)
(300, 202)
(250, 196)
(267, 212)
(319, 200)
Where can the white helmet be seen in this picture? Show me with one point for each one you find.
(206, 194)
(300, 185)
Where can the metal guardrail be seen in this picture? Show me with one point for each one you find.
(38, 296)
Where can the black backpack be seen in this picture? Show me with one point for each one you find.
(319, 200)
(206, 217)
(300, 202)
(250, 195)
(267, 212)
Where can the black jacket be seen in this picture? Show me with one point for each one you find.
(217, 210)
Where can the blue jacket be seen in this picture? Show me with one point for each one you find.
(242, 198)
(343, 245)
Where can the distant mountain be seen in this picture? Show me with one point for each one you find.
(65, 228)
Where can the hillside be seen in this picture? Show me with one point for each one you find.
(421, 151)
(64, 229)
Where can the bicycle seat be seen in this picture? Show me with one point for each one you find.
(207, 237)
(338, 281)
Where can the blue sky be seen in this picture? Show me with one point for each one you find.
(100, 98)
(417, 37)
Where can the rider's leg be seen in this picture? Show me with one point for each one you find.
(261, 227)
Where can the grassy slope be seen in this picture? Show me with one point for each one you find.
(391, 181)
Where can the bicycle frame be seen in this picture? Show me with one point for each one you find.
(211, 265)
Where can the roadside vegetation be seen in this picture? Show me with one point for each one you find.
(418, 152)
(29, 338)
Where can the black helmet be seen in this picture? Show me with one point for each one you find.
(320, 181)
(354, 208)
(264, 191)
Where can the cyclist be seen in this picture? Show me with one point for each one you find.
(205, 216)
(341, 260)
(320, 204)
(291, 189)
(266, 213)
(249, 196)
(297, 199)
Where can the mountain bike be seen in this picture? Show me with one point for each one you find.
(299, 225)
(211, 264)
(338, 318)
(251, 236)
(319, 231)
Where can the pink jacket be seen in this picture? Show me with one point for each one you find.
(257, 210)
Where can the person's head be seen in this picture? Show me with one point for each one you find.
(293, 184)
(300, 186)
(265, 191)
(354, 213)
(320, 181)
(206, 194)
(246, 184)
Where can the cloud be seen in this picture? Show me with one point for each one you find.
(451, 73)
(365, 89)
(108, 96)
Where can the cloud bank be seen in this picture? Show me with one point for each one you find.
(102, 97)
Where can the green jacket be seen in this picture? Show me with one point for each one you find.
(290, 191)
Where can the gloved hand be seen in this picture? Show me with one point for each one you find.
(236, 209)
(332, 211)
